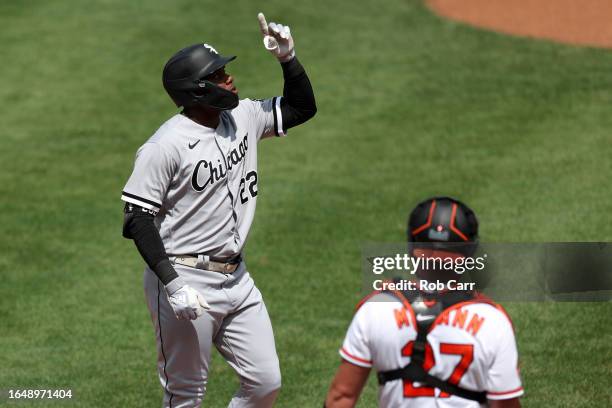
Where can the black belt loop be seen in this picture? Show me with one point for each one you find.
(232, 261)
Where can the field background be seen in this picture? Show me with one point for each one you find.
(409, 106)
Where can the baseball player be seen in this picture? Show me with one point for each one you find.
(447, 348)
(189, 204)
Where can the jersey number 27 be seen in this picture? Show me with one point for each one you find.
(466, 351)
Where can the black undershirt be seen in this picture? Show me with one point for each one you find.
(297, 106)
(138, 225)
(298, 103)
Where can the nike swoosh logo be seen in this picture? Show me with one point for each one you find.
(191, 146)
(422, 318)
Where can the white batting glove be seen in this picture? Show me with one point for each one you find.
(277, 39)
(187, 303)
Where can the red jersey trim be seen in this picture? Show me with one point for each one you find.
(507, 394)
(349, 356)
(366, 298)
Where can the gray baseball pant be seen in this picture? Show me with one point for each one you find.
(237, 324)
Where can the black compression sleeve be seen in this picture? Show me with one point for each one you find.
(139, 226)
(298, 103)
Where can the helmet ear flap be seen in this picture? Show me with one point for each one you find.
(199, 92)
(213, 96)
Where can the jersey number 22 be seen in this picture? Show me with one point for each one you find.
(251, 180)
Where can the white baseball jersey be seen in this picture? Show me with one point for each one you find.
(201, 182)
(471, 344)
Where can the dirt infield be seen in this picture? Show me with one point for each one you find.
(581, 22)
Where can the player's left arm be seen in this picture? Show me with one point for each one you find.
(298, 103)
(503, 378)
(346, 385)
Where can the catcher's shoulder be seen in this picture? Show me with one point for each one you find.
(483, 299)
(377, 299)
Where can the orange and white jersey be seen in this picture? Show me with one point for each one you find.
(470, 344)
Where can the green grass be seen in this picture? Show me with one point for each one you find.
(409, 106)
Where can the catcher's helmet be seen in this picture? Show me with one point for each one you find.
(443, 223)
(184, 74)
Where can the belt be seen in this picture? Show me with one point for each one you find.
(208, 263)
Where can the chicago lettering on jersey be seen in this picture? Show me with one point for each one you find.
(219, 170)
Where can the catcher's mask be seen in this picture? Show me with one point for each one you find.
(443, 224)
(184, 74)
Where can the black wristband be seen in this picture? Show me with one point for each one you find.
(165, 271)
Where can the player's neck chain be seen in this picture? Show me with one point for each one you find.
(219, 171)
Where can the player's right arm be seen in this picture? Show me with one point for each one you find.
(509, 403)
(346, 385)
(356, 363)
(143, 195)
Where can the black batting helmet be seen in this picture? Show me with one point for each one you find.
(443, 223)
(184, 74)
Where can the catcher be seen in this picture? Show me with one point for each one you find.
(432, 349)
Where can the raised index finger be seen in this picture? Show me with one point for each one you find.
(263, 25)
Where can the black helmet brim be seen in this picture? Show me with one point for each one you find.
(216, 65)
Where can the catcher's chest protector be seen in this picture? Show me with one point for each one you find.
(426, 310)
